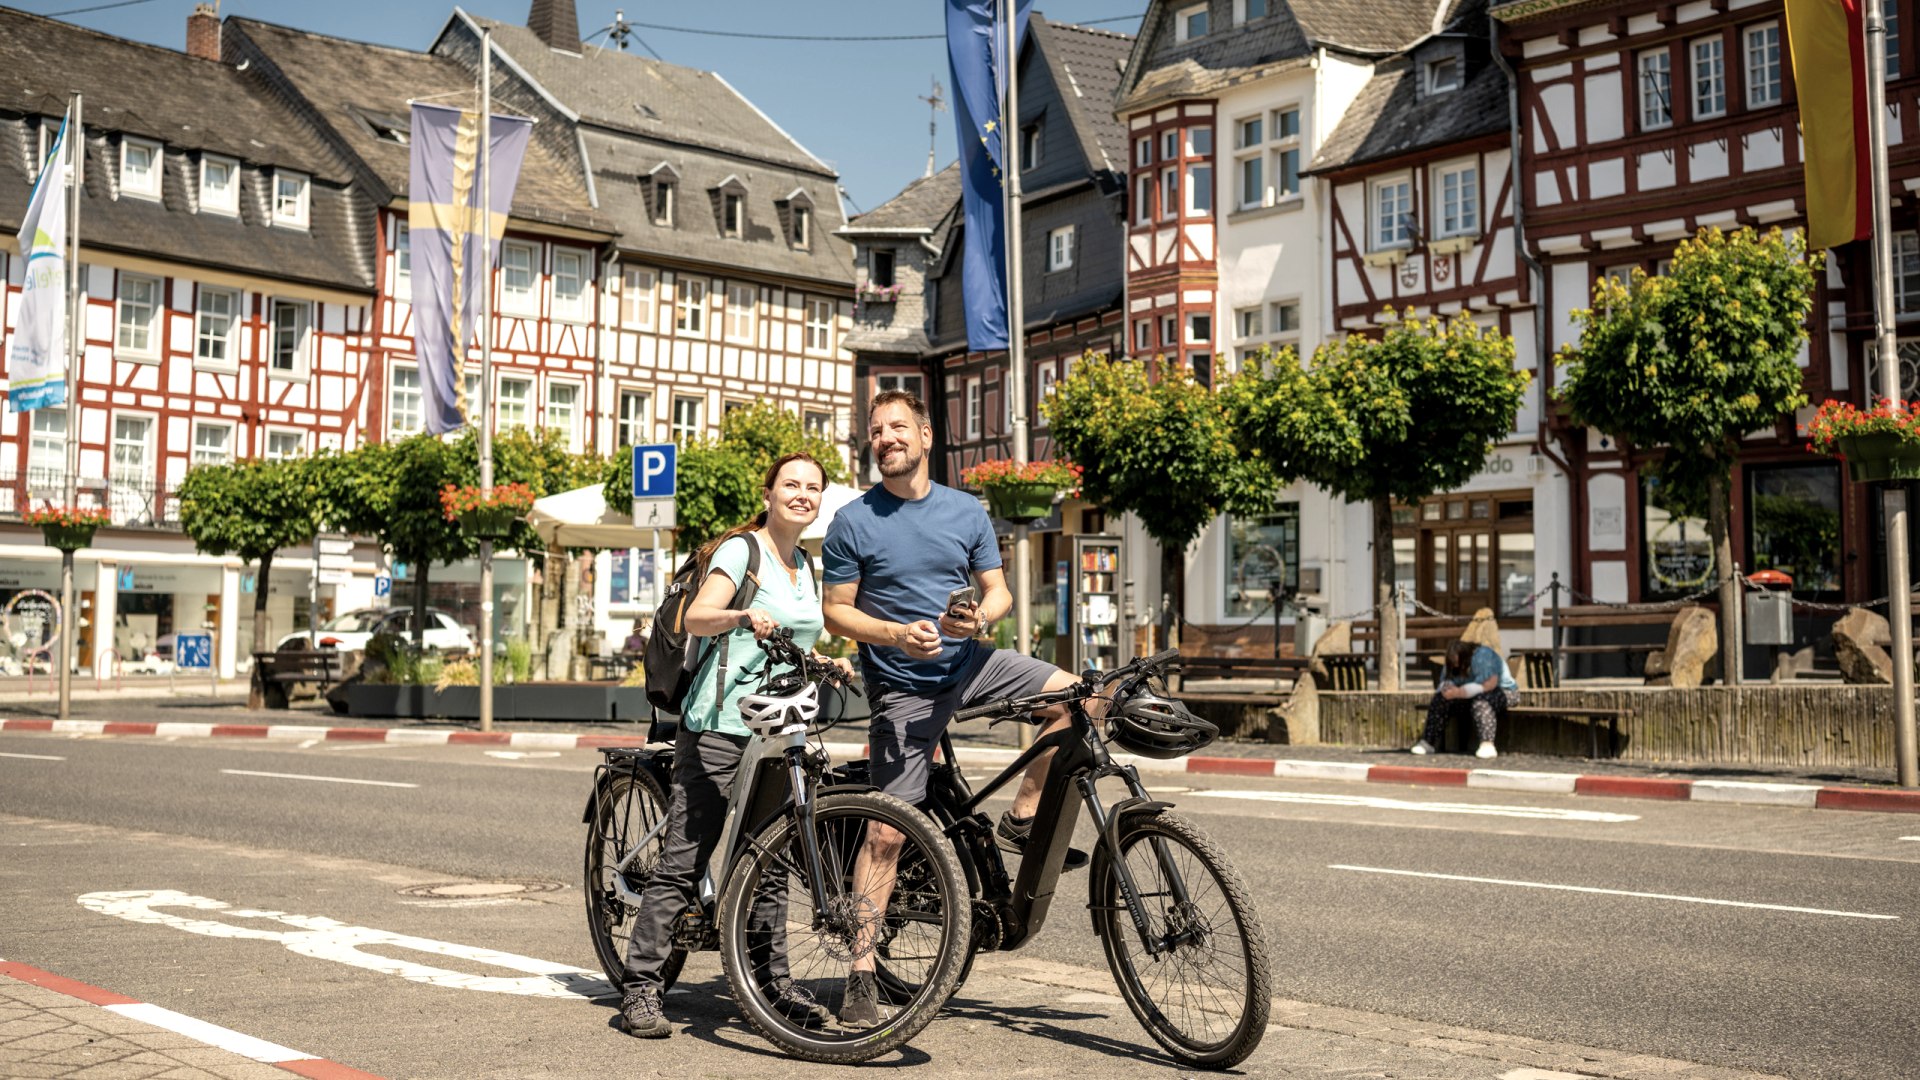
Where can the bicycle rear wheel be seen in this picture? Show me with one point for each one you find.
(1205, 996)
(630, 810)
(773, 928)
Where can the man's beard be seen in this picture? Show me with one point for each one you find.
(905, 462)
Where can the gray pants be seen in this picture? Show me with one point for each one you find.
(906, 724)
(703, 766)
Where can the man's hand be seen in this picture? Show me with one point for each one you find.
(961, 622)
(920, 640)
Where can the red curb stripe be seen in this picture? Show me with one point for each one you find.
(240, 731)
(500, 738)
(47, 980)
(116, 727)
(356, 734)
(591, 742)
(1231, 766)
(321, 1069)
(1633, 787)
(1413, 774)
(29, 725)
(1887, 802)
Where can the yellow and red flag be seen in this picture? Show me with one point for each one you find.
(1828, 41)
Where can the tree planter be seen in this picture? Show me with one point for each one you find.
(489, 522)
(463, 702)
(1880, 455)
(598, 702)
(68, 537)
(1021, 503)
(384, 699)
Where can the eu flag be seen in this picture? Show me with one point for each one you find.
(976, 37)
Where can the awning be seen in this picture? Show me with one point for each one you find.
(581, 518)
(831, 500)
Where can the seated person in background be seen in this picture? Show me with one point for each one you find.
(636, 642)
(1477, 682)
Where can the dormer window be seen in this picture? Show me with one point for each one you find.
(1029, 146)
(802, 226)
(290, 191)
(798, 207)
(1443, 75)
(219, 185)
(1190, 23)
(665, 182)
(733, 214)
(140, 168)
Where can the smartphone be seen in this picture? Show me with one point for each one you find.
(960, 598)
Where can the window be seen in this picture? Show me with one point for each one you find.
(1254, 9)
(1763, 65)
(1456, 199)
(1249, 323)
(140, 168)
(1286, 317)
(1199, 328)
(569, 284)
(1029, 146)
(632, 423)
(1890, 11)
(1656, 84)
(1460, 553)
(687, 424)
(1709, 79)
(636, 298)
(1286, 155)
(139, 315)
(1202, 364)
(47, 453)
(802, 227)
(1045, 378)
(285, 444)
(1169, 330)
(1060, 248)
(516, 277)
(1250, 170)
(402, 259)
(691, 308)
(1191, 22)
(219, 185)
(1392, 214)
(1794, 525)
(290, 198)
(1143, 199)
(976, 407)
(1169, 192)
(213, 325)
(292, 322)
(1263, 553)
(1443, 75)
(1142, 337)
(130, 476)
(563, 412)
(880, 267)
(733, 214)
(1143, 151)
(1200, 142)
(403, 400)
(663, 199)
(819, 325)
(514, 395)
(212, 444)
(1169, 145)
(818, 424)
(1906, 273)
(908, 382)
(742, 301)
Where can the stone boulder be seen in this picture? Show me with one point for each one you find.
(1693, 644)
(1858, 644)
(1337, 641)
(1296, 721)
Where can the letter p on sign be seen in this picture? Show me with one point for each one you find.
(654, 471)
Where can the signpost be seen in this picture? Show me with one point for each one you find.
(332, 565)
(656, 480)
(382, 586)
(193, 651)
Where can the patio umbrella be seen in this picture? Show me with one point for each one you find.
(582, 518)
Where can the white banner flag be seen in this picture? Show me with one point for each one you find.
(37, 360)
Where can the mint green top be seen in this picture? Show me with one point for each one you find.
(792, 603)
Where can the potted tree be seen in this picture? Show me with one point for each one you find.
(486, 513)
(1877, 444)
(67, 528)
(1022, 493)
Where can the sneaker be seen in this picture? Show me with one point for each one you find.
(1486, 751)
(640, 1008)
(796, 1003)
(1422, 748)
(860, 1005)
(1012, 835)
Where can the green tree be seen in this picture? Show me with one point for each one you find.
(1384, 420)
(252, 509)
(1162, 449)
(1694, 359)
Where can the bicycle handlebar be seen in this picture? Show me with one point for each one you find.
(779, 647)
(1091, 683)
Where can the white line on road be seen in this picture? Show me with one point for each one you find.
(1610, 892)
(329, 779)
(212, 1034)
(51, 757)
(1376, 802)
(1910, 838)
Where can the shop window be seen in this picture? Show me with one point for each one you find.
(1677, 557)
(1793, 525)
(1259, 550)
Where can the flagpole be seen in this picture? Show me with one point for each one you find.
(1893, 496)
(76, 331)
(486, 371)
(1016, 329)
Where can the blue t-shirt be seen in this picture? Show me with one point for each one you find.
(907, 556)
(1485, 665)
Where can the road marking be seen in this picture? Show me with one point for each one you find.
(51, 757)
(212, 1034)
(1910, 838)
(1375, 802)
(1611, 892)
(328, 779)
(518, 755)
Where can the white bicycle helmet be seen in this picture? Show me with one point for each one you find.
(781, 708)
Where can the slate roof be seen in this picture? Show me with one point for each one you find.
(189, 105)
(1086, 69)
(920, 206)
(349, 82)
(1390, 117)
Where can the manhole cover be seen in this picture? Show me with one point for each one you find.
(468, 890)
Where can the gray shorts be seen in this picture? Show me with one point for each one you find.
(907, 724)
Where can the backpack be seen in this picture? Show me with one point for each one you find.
(672, 659)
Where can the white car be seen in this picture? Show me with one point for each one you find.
(351, 631)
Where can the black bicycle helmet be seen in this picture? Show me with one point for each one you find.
(1157, 727)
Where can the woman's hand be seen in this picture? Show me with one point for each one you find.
(845, 665)
(758, 621)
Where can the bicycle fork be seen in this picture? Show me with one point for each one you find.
(1107, 825)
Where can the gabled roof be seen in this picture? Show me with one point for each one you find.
(613, 89)
(919, 208)
(1086, 69)
(344, 82)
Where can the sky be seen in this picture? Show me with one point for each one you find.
(855, 104)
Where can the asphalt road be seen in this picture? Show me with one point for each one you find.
(1769, 939)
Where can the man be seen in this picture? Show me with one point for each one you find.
(891, 559)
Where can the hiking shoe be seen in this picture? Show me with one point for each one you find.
(860, 1005)
(640, 1008)
(1012, 835)
(796, 1003)
(1421, 748)
(1486, 751)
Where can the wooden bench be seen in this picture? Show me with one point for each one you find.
(1416, 630)
(278, 671)
(1241, 667)
(1591, 616)
(1540, 675)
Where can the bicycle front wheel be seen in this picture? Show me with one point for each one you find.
(785, 948)
(629, 813)
(1204, 996)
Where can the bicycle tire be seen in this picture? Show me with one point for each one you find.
(626, 809)
(926, 962)
(1218, 902)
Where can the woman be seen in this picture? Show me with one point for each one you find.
(712, 738)
(1477, 681)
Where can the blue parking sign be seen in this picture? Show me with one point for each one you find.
(193, 651)
(654, 471)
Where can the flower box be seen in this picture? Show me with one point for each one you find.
(488, 522)
(1880, 455)
(1879, 444)
(67, 528)
(1022, 493)
(1021, 503)
(488, 513)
